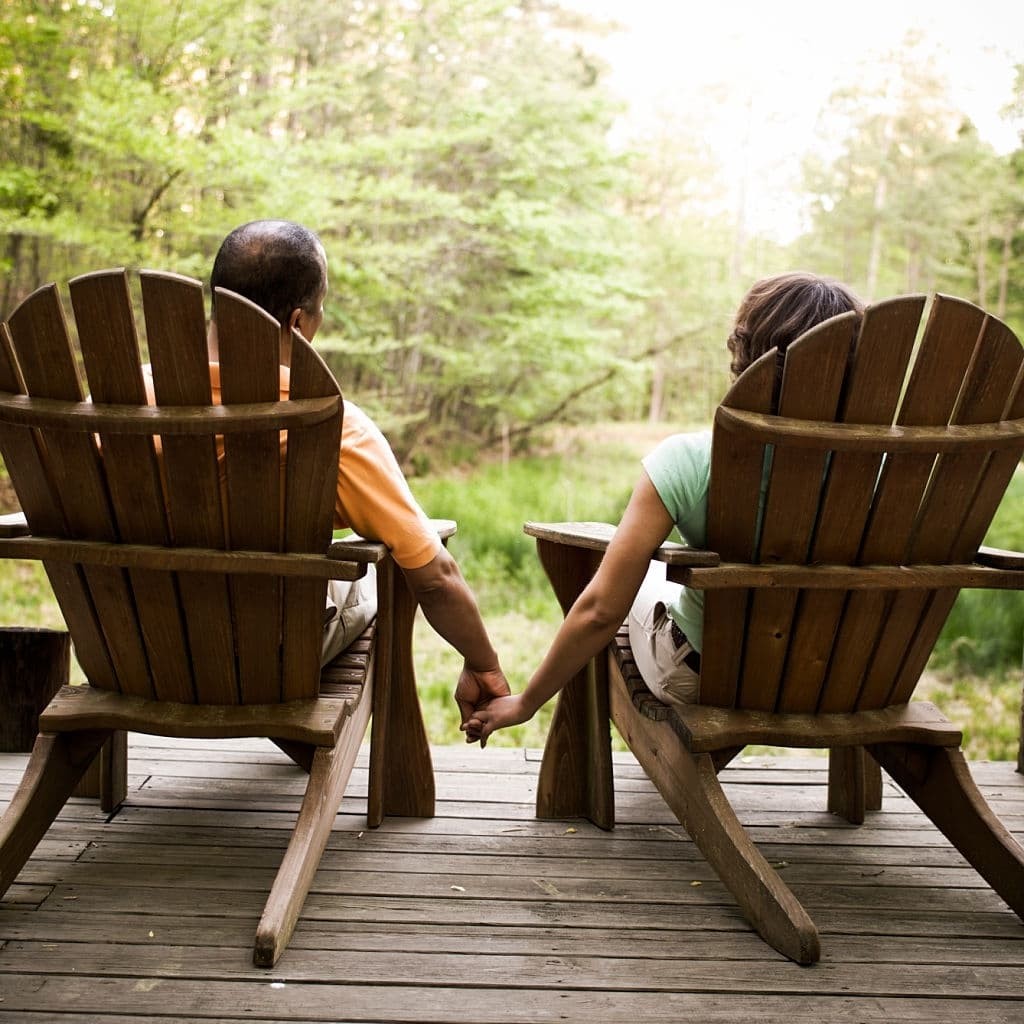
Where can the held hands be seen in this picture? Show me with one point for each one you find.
(495, 714)
(475, 689)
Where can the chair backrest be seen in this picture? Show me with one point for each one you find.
(113, 470)
(862, 494)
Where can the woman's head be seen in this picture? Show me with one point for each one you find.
(778, 309)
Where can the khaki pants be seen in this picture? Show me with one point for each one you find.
(354, 604)
(650, 635)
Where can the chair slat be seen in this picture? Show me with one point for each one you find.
(249, 346)
(311, 480)
(45, 516)
(733, 498)
(943, 357)
(976, 487)
(176, 337)
(110, 352)
(942, 389)
(46, 360)
(884, 345)
(815, 368)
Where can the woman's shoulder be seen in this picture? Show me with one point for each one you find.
(691, 443)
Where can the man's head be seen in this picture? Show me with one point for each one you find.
(778, 309)
(279, 265)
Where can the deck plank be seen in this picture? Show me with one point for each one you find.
(485, 913)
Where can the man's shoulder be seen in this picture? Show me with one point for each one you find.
(358, 428)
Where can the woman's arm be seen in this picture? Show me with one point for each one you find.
(595, 616)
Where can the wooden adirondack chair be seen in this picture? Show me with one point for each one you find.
(196, 603)
(820, 612)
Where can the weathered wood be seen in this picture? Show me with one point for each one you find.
(843, 538)
(110, 353)
(176, 335)
(318, 720)
(705, 728)
(854, 783)
(792, 432)
(576, 773)
(401, 769)
(192, 559)
(831, 577)
(34, 665)
(623, 936)
(328, 777)
(56, 765)
(131, 419)
(790, 517)
(938, 780)
(596, 536)
(190, 553)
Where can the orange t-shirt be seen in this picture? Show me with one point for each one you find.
(373, 496)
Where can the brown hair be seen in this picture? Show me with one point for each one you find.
(778, 309)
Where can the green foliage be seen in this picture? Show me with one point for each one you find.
(906, 197)
(491, 502)
(984, 633)
(453, 155)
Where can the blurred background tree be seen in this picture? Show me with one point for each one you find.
(502, 256)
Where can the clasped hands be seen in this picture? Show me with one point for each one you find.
(486, 703)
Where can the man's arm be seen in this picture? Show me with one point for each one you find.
(451, 609)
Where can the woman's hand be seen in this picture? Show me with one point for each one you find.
(498, 713)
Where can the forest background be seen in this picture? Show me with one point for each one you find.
(524, 295)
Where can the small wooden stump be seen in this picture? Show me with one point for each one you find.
(34, 665)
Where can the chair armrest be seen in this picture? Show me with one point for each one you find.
(14, 525)
(596, 536)
(358, 549)
(998, 558)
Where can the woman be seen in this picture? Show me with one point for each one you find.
(665, 619)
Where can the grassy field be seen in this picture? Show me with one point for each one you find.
(974, 676)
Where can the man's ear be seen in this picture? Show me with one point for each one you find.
(293, 320)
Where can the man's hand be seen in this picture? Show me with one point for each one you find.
(476, 689)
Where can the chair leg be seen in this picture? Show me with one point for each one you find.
(107, 776)
(939, 781)
(300, 753)
(328, 777)
(401, 769)
(57, 762)
(576, 771)
(576, 779)
(689, 785)
(854, 783)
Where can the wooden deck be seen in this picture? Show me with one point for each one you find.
(484, 914)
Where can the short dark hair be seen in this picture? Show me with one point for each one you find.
(277, 264)
(778, 309)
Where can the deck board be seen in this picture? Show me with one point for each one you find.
(485, 913)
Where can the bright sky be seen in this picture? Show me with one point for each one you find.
(781, 60)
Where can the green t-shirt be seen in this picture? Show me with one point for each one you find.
(680, 468)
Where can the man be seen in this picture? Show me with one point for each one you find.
(282, 267)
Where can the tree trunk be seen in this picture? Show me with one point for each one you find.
(875, 253)
(1006, 258)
